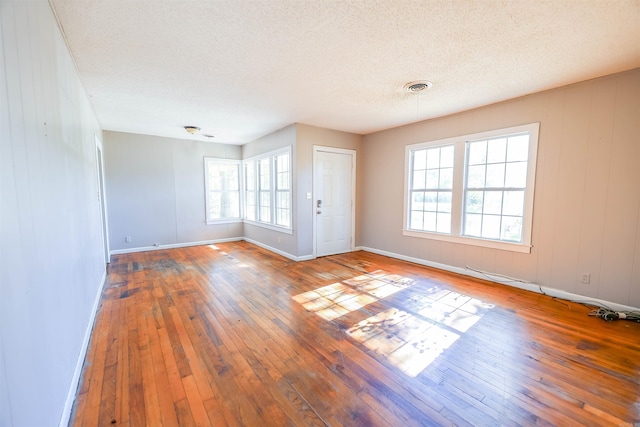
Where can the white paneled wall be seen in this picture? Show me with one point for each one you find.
(51, 254)
(587, 199)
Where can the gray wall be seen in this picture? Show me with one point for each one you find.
(307, 137)
(155, 190)
(302, 138)
(51, 254)
(587, 198)
(272, 238)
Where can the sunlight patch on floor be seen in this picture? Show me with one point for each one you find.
(412, 343)
(338, 299)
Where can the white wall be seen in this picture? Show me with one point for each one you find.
(51, 255)
(587, 199)
(155, 190)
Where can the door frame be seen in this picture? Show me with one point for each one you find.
(352, 153)
(102, 199)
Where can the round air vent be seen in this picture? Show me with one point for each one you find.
(417, 86)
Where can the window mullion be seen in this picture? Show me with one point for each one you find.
(458, 196)
(274, 173)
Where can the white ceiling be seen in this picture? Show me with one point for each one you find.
(240, 69)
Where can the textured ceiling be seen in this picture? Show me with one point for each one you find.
(241, 69)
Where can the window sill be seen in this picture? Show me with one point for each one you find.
(505, 246)
(223, 221)
(269, 226)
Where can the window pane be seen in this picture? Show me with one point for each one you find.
(230, 204)
(250, 177)
(511, 229)
(416, 220)
(513, 203)
(496, 150)
(495, 176)
(265, 174)
(473, 225)
(431, 201)
(419, 159)
(518, 148)
(283, 217)
(444, 223)
(475, 178)
(492, 202)
(446, 157)
(265, 206)
(516, 175)
(215, 205)
(283, 200)
(444, 201)
(446, 178)
(477, 152)
(417, 201)
(283, 208)
(491, 226)
(474, 201)
(433, 158)
(215, 183)
(419, 180)
(430, 221)
(283, 162)
(432, 179)
(283, 181)
(250, 211)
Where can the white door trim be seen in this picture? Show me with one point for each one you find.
(102, 199)
(352, 153)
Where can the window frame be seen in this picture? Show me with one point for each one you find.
(208, 161)
(459, 189)
(273, 190)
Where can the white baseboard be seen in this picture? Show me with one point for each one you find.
(211, 242)
(520, 284)
(75, 381)
(278, 251)
(173, 246)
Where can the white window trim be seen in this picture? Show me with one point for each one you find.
(255, 159)
(458, 190)
(208, 220)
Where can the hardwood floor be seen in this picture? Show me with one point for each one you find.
(232, 334)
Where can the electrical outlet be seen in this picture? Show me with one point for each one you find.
(127, 239)
(585, 278)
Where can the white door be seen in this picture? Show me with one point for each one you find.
(334, 200)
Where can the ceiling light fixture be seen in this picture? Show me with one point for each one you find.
(195, 130)
(417, 86)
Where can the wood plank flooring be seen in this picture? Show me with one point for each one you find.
(231, 334)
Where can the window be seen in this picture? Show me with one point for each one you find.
(431, 187)
(250, 190)
(283, 190)
(268, 189)
(222, 184)
(264, 185)
(474, 189)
